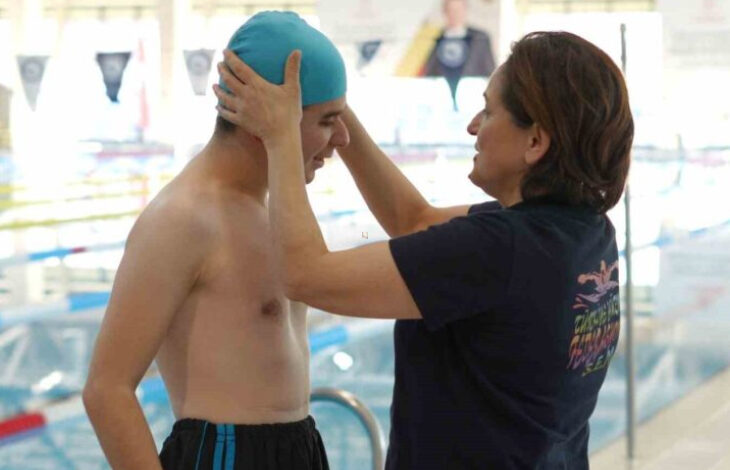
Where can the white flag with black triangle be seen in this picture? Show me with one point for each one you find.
(367, 51)
(199, 63)
(112, 66)
(32, 68)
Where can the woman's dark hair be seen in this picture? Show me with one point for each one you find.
(577, 94)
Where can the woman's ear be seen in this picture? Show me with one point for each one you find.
(537, 145)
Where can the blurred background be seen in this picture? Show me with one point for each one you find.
(102, 102)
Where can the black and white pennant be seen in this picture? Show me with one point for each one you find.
(112, 66)
(32, 68)
(199, 63)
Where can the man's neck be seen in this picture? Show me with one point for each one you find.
(238, 162)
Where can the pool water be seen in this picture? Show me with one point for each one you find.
(363, 366)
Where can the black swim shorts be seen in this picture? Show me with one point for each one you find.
(196, 444)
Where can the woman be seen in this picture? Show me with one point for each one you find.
(509, 310)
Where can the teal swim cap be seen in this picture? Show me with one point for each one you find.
(267, 39)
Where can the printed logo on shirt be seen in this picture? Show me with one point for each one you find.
(597, 320)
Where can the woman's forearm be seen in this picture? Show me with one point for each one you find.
(391, 197)
(297, 236)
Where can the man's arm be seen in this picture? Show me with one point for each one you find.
(160, 266)
(396, 203)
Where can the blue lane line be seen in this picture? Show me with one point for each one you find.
(57, 253)
(73, 304)
(88, 301)
(319, 340)
(40, 255)
(21, 436)
(63, 252)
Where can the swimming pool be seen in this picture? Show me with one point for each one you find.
(671, 359)
(360, 362)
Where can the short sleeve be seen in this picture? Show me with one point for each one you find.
(488, 206)
(458, 269)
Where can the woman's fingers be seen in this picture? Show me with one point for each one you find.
(225, 99)
(239, 69)
(227, 114)
(293, 65)
(255, 104)
(230, 80)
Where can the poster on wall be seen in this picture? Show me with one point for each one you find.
(416, 38)
(32, 68)
(371, 34)
(358, 21)
(5, 96)
(456, 41)
(199, 63)
(112, 66)
(696, 32)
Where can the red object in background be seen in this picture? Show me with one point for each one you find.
(21, 423)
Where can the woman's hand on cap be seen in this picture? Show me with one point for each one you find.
(263, 109)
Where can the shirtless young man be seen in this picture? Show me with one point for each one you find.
(198, 290)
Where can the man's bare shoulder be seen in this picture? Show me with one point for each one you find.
(180, 212)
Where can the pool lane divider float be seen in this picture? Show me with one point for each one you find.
(17, 225)
(152, 390)
(73, 304)
(63, 252)
(332, 215)
(13, 204)
(15, 188)
(22, 224)
(58, 253)
(21, 425)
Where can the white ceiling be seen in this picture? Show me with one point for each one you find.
(127, 8)
(149, 7)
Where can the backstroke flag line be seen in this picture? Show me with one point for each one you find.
(32, 68)
(112, 66)
(199, 63)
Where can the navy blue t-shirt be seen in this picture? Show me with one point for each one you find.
(520, 320)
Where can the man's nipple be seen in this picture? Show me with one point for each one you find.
(271, 308)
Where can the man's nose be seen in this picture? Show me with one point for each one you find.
(341, 136)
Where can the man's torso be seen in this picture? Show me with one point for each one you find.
(236, 350)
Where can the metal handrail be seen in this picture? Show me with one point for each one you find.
(366, 417)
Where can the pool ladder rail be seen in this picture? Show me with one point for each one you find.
(363, 413)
